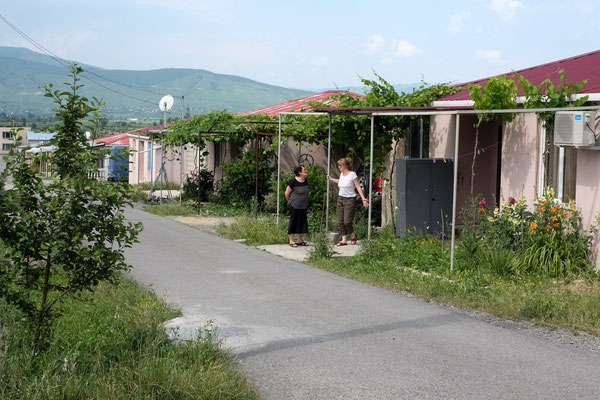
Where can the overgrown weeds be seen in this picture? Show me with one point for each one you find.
(485, 282)
(112, 346)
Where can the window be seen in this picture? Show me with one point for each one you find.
(417, 138)
(7, 135)
(6, 146)
(558, 166)
(149, 156)
(217, 154)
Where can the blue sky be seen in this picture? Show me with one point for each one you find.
(311, 44)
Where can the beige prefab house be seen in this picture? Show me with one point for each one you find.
(146, 157)
(7, 137)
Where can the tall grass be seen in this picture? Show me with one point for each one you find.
(112, 346)
(420, 266)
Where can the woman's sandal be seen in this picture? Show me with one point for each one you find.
(341, 244)
(353, 241)
(293, 245)
(301, 244)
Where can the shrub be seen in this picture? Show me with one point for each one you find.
(556, 244)
(550, 238)
(239, 183)
(202, 182)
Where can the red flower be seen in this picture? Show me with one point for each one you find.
(482, 203)
(482, 211)
(512, 200)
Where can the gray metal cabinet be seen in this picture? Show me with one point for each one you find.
(424, 195)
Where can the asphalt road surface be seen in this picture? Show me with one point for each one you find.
(301, 333)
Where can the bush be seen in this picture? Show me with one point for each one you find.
(201, 182)
(238, 185)
(550, 238)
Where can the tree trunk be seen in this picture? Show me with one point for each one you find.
(475, 153)
(42, 312)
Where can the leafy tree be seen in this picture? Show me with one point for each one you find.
(548, 95)
(65, 236)
(239, 185)
(99, 122)
(500, 93)
(353, 132)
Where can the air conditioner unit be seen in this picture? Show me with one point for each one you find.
(576, 128)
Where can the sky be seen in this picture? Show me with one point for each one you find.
(310, 44)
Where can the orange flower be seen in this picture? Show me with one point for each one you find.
(548, 227)
(542, 210)
(557, 224)
(533, 225)
(554, 219)
(552, 209)
(566, 214)
(543, 202)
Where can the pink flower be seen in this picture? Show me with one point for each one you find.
(512, 200)
(482, 203)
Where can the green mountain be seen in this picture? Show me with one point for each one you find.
(128, 93)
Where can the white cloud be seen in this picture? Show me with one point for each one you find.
(457, 21)
(493, 56)
(506, 9)
(320, 61)
(375, 43)
(405, 49)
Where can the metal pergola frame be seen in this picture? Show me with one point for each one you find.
(412, 111)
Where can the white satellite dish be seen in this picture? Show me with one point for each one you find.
(166, 103)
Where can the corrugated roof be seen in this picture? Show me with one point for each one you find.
(272, 111)
(578, 68)
(300, 104)
(118, 139)
(40, 135)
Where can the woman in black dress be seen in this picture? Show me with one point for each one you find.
(296, 195)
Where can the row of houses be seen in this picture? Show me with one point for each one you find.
(514, 159)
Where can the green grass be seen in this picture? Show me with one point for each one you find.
(171, 209)
(399, 264)
(111, 346)
(189, 208)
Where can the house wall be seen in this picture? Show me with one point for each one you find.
(442, 145)
(6, 141)
(588, 192)
(520, 155)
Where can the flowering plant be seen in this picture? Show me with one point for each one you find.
(548, 239)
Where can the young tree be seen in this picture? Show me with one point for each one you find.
(65, 236)
(500, 93)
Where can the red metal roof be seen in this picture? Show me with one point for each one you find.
(119, 138)
(300, 104)
(578, 68)
(272, 111)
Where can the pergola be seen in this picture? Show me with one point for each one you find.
(375, 112)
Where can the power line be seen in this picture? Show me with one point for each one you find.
(65, 64)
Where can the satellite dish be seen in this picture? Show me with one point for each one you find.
(166, 103)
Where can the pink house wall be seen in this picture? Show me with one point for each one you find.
(588, 191)
(520, 152)
(441, 145)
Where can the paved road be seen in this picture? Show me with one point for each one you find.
(302, 333)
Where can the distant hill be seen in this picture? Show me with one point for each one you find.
(22, 71)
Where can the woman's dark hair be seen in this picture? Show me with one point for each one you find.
(298, 169)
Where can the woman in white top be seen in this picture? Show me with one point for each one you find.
(346, 205)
